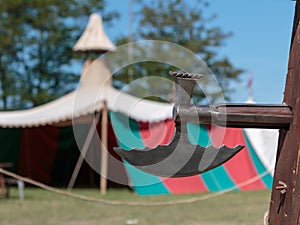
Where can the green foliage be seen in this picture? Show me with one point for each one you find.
(184, 23)
(36, 40)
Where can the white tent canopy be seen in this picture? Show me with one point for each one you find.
(264, 141)
(94, 88)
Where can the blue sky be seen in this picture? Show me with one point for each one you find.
(260, 42)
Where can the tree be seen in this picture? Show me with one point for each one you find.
(184, 23)
(36, 40)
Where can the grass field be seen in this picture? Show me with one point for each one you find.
(45, 208)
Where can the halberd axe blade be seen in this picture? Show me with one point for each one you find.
(180, 158)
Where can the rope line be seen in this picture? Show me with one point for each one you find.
(122, 203)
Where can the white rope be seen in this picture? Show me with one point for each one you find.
(122, 203)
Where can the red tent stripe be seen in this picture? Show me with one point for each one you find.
(240, 168)
(183, 185)
(157, 133)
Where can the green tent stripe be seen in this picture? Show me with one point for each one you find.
(145, 183)
(128, 136)
(267, 179)
(199, 135)
(10, 139)
(214, 184)
(127, 131)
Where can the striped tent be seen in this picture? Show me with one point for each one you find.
(245, 171)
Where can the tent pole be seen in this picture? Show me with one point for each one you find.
(104, 153)
(84, 150)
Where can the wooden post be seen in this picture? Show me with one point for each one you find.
(285, 199)
(104, 152)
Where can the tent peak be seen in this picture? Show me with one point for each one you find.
(94, 38)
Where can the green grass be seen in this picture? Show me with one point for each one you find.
(45, 208)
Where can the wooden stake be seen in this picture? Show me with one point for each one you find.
(104, 152)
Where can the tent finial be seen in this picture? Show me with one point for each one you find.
(94, 38)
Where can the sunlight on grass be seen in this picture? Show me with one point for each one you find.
(42, 207)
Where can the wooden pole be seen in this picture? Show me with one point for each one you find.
(285, 198)
(84, 150)
(104, 152)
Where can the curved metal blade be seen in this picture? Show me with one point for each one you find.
(178, 159)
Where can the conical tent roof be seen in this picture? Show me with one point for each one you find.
(94, 38)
